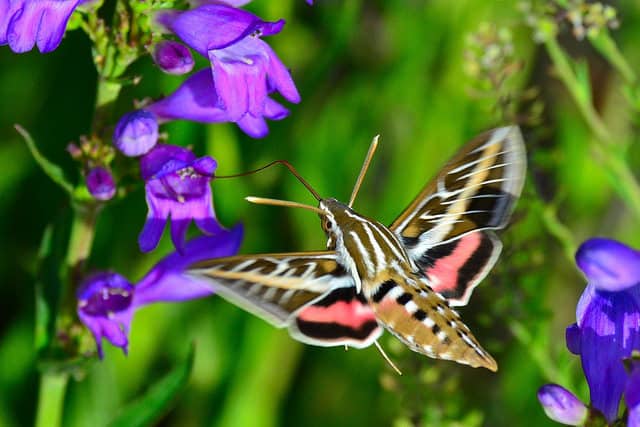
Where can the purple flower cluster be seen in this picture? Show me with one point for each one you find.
(238, 85)
(606, 333)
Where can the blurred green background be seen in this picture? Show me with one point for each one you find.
(395, 68)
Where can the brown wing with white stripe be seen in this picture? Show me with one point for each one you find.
(308, 292)
(446, 228)
(422, 319)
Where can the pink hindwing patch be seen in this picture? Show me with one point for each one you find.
(342, 317)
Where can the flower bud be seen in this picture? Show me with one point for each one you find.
(100, 183)
(173, 57)
(136, 133)
(561, 405)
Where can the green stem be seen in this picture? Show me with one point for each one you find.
(53, 381)
(560, 231)
(581, 96)
(82, 233)
(605, 44)
(623, 179)
(108, 92)
(80, 242)
(51, 399)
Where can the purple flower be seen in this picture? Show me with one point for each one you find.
(608, 324)
(245, 69)
(26, 23)
(608, 319)
(177, 187)
(196, 99)
(100, 184)
(136, 133)
(561, 405)
(173, 57)
(107, 301)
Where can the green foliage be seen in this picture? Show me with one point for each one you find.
(148, 408)
(404, 70)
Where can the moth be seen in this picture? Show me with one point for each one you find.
(405, 277)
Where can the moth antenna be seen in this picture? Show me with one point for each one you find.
(287, 203)
(363, 171)
(275, 162)
(384, 355)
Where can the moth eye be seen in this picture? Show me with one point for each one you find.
(329, 224)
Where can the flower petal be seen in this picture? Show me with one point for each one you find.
(179, 229)
(572, 337)
(632, 395)
(609, 265)
(151, 233)
(274, 110)
(196, 99)
(562, 406)
(40, 22)
(279, 77)
(165, 159)
(168, 280)
(210, 26)
(231, 86)
(255, 127)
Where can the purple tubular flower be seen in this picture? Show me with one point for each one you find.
(100, 184)
(104, 306)
(26, 23)
(608, 319)
(173, 57)
(562, 406)
(196, 99)
(177, 187)
(107, 300)
(136, 133)
(245, 69)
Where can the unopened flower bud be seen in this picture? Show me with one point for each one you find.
(100, 184)
(136, 133)
(173, 57)
(561, 405)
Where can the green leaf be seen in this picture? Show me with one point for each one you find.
(43, 309)
(52, 170)
(49, 283)
(150, 407)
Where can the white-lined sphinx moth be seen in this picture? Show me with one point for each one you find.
(404, 277)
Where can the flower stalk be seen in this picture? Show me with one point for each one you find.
(53, 386)
(604, 146)
(107, 93)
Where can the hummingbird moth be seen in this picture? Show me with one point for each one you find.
(405, 277)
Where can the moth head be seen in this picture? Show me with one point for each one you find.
(328, 222)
